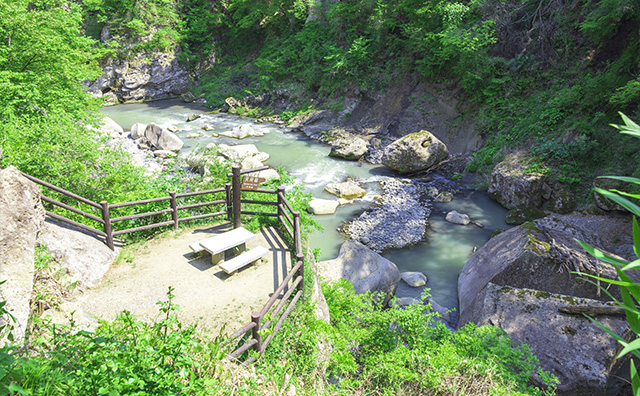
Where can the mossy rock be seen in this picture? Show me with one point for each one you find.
(523, 215)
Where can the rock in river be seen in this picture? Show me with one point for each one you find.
(415, 152)
(364, 268)
(347, 190)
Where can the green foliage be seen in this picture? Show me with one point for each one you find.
(125, 356)
(396, 350)
(629, 290)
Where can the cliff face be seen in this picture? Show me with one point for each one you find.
(147, 76)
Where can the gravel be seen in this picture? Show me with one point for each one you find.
(399, 219)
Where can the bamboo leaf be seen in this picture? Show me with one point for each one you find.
(627, 179)
(632, 346)
(632, 265)
(636, 237)
(635, 379)
(625, 203)
(601, 255)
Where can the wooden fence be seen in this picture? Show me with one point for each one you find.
(232, 203)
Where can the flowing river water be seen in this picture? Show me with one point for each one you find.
(440, 256)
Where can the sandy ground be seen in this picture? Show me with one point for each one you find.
(206, 294)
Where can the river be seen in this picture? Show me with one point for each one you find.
(440, 256)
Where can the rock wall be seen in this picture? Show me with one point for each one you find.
(21, 217)
(145, 77)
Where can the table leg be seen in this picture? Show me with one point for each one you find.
(217, 258)
(240, 249)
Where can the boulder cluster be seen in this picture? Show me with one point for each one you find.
(398, 220)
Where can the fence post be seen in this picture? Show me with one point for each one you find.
(255, 318)
(297, 240)
(174, 209)
(300, 258)
(281, 199)
(227, 187)
(107, 224)
(235, 169)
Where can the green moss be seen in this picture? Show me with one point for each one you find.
(569, 330)
(537, 246)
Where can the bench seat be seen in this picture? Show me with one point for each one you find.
(245, 258)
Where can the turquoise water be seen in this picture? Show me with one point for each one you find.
(440, 256)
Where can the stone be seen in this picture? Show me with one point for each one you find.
(347, 146)
(85, 257)
(457, 218)
(605, 203)
(347, 190)
(164, 154)
(414, 279)
(137, 130)
(444, 197)
(237, 153)
(194, 135)
(162, 139)
(523, 215)
(188, 97)
(230, 105)
(21, 218)
(193, 117)
(241, 132)
(444, 313)
(538, 255)
(110, 127)
(267, 174)
(319, 206)
(404, 301)
(562, 201)
(415, 152)
(365, 269)
(397, 220)
(251, 163)
(207, 127)
(514, 186)
(571, 347)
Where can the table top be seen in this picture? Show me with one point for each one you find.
(226, 241)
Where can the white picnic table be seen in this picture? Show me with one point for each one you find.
(218, 245)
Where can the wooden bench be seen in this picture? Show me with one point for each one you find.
(219, 244)
(245, 258)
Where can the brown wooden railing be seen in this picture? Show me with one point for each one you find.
(288, 217)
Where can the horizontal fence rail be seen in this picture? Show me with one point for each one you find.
(288, 293)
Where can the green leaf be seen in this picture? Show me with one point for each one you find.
(627, 179)
(625, 203)
(636, 237)
(601, 255)
(635, 380)
(632, 346)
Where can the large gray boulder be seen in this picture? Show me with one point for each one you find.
(571, 347)
(365, 269)
(514, 186)
(110, 127)
(162, 139)
(318, 206)
(21, 217)
(415, 152)
(84, 257)
(518, 279)
(347, 146)
(137, 130)
(238, 152)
